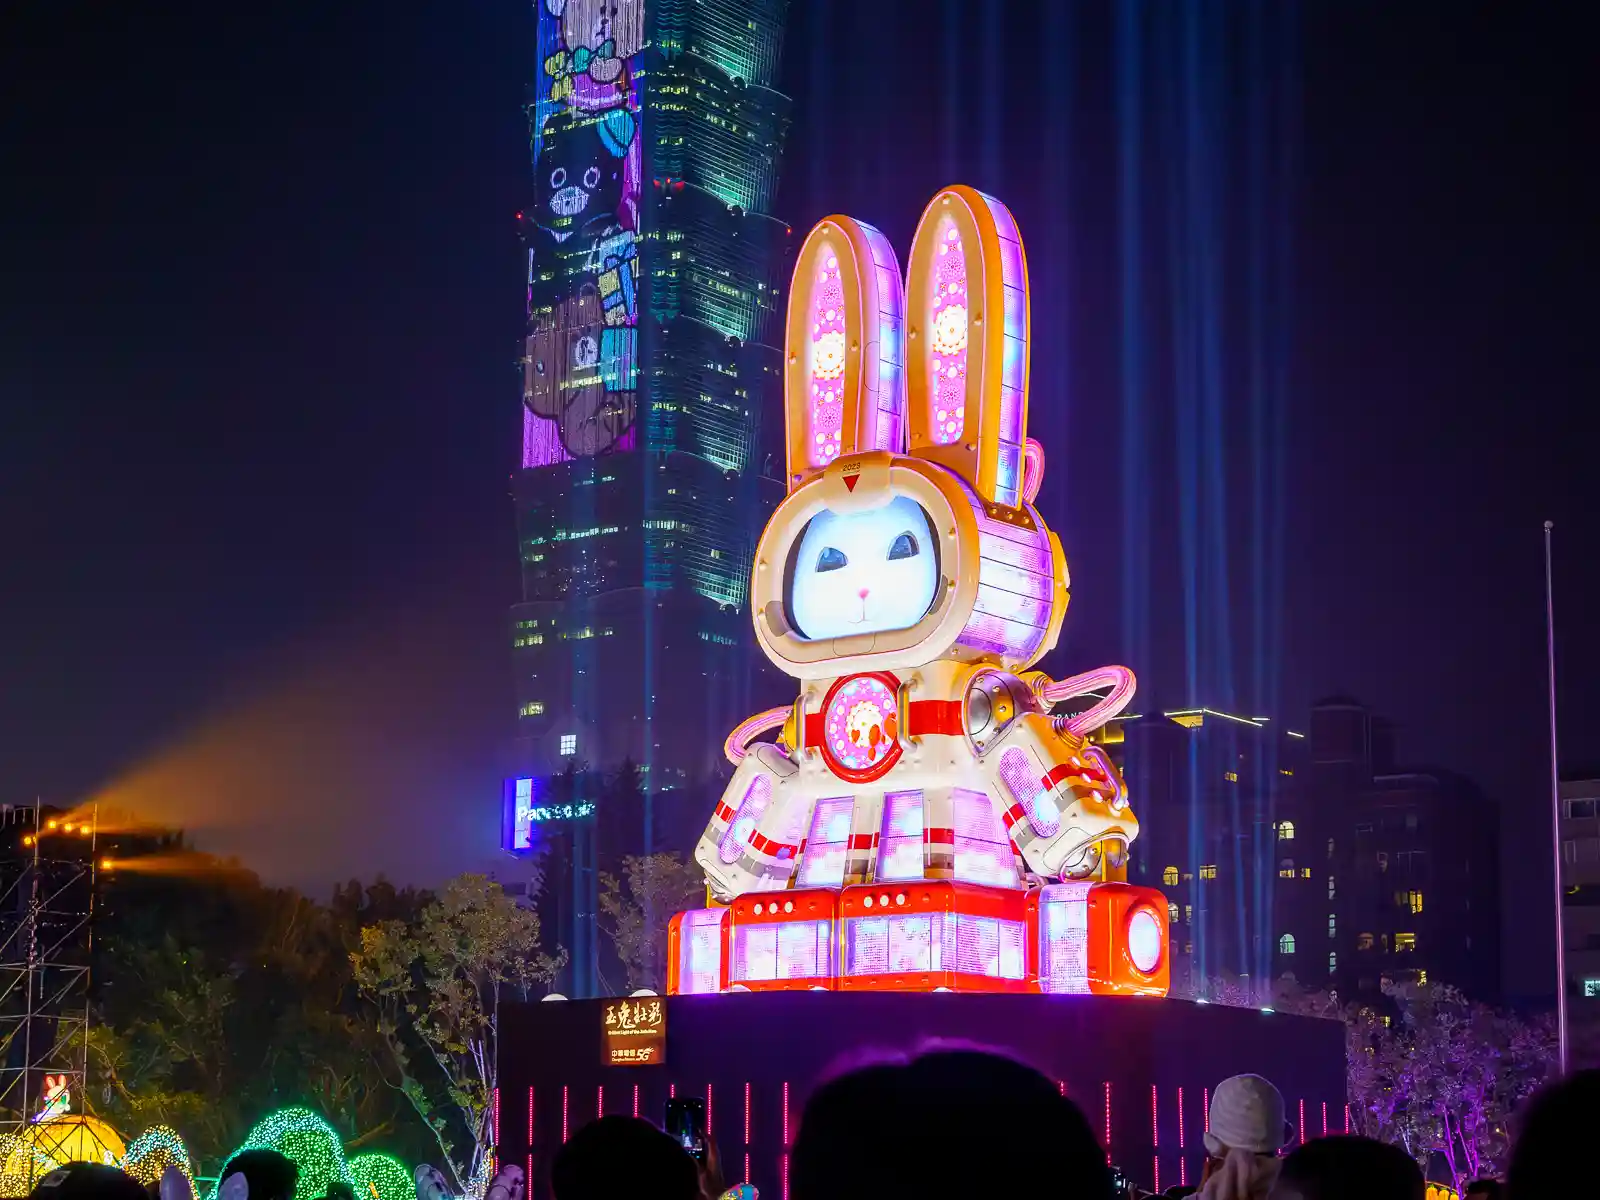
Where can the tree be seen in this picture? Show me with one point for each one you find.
(218, 999)
(635, 911)
(1426, 1068)
(436, 983)
(1441, 1074)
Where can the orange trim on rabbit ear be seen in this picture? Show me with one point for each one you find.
(967, 347)
(844, 379)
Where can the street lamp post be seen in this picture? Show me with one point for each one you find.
(1555, 806)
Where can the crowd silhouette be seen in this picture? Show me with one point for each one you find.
(960, 1124)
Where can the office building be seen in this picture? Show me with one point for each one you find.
(1415, 853)
(1313, 854)
(652, 386)
(1580, 885)
(1224, 832)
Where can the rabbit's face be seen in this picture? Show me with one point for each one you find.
(872, 571)
(887, 562)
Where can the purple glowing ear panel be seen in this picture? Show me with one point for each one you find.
(864, 572)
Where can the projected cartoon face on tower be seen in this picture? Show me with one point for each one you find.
(925, 820)
(863, 572)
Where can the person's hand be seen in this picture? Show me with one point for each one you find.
(711, 1183)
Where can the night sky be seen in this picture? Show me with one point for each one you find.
(262, 303)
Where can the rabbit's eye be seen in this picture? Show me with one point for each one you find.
(591, 178)
(831, 559)
(905, 546)
(558, 177)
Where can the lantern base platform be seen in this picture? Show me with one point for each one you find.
(1141, 1069)
(926, 935)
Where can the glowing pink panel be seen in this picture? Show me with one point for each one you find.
(1016, 583)
(700, 962)
(867, 946)
(791, 950)
(541, 442)
(989, 946)
(900, 845)
(829, 354)
(1064, 938)
(756, 798)
(828, 843)
(982, 850)
(1021, 778)
(947, 341)
(897, 944)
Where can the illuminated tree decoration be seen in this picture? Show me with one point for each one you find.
(381, 1177)
(949, 340)
(22, 1164)
(313, 1144)
(153, 1151)
(478, 1185)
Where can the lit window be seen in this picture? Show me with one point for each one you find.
(1333, 926)
(1330, 847)
(1286, 869)
(533, 708)
(1172, 913)
(1188, 914)
(1422, 977)
(1305, 872)
(1363, 941)
(1332, 888)
(1416, 901)
(1286, 831)
(1286, 944)
(1170, 877)
(569, 743)
(1231, 776)
(1208, 871)
(1188, 947)
(1404, 942)
(1333, 962)
(1591, 987)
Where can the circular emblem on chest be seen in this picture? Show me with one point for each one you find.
(860, 730)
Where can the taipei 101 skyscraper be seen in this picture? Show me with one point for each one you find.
(651, 384)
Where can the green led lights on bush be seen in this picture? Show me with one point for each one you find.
(153, 1151)
(381, 1177)
(314, 1146)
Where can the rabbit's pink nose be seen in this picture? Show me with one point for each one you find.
(863, 593)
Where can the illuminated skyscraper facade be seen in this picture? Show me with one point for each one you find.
(654, 273)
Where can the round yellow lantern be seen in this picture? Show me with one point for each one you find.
(75, 1137)
(54, 1137)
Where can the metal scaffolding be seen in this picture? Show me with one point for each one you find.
(47, 885)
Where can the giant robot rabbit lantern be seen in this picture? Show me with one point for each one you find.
(909, 584)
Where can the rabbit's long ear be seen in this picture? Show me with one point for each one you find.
(967, 329)
(844, 376)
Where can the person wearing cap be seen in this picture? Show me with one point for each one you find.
(1245, 1131)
